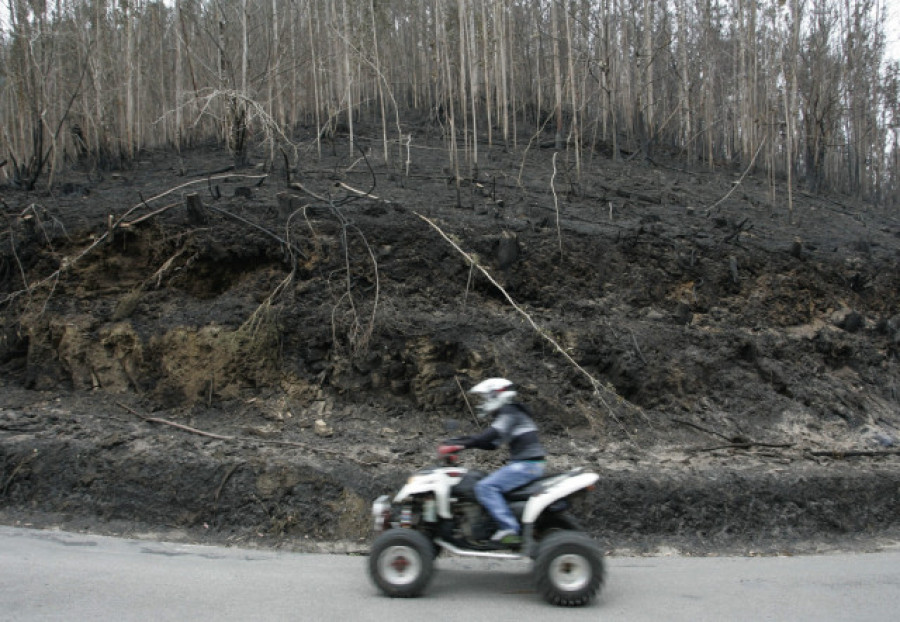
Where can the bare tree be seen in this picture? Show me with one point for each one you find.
(96, 80)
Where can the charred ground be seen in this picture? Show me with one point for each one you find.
(258, 370)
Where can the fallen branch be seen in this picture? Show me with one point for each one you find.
(188, 428)
(361, 193)
(637, 347)
(16, 470)
(179, 426)
(739, 181)
(840, 453)
(702, 429)
(298, 186)
(157, 212)
(732, 442)
(466, 400)
(244, 439)
(631, 195)
(738, 230)
(218, 171)
(287, 167)
(12, 244)
(234, 467)
(271, 234)
(185, 185)
(600, 390)
(745, 445)
(556, 206)
(68, 262)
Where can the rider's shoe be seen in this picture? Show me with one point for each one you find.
(506, 537)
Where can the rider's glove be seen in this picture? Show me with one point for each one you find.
(445, 450)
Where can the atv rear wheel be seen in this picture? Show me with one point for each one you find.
(568, 570)
(401, 562)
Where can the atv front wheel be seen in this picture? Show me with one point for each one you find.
(569, 569)
(401, 562)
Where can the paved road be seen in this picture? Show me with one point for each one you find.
(49, 575)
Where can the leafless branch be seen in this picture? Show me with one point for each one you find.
(604, 393)
(736, 184)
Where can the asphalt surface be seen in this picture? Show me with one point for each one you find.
(53, 575)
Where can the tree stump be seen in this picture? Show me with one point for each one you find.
(507, 250)
(196, 211)
(287, 204)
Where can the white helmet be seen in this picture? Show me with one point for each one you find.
(494, 393)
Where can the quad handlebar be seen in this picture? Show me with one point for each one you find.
(447, 452)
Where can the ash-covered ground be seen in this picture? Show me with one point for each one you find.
(257, 370)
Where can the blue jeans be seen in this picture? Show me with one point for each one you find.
(489, 491)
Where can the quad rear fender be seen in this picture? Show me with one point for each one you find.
(559, 489)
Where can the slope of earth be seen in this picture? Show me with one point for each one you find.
(258, 367)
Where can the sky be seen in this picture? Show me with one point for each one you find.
(893, 30)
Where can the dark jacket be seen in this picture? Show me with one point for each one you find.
(512, 426)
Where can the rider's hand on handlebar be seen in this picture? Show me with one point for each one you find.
(445, 450)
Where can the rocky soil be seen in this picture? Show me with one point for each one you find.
(258, 368)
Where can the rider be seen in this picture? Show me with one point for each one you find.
(513, 426)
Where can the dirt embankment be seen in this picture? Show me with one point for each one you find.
(261, 369)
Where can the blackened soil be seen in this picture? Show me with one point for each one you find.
(259, 370)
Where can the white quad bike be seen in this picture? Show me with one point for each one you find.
(437, 510)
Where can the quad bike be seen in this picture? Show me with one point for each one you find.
(437, 510)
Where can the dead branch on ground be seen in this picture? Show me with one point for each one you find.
(637, 347)
(22, 463)
(154, 213)
(736, 184)
(556, 205)
(702, 429)
(298, 186)
(839, 454)
(68, 262)
(743, 445)
(732, 442)
(217, 171)
(537, 134)
(739, 442)
(739, 228)
(601, 391)
(260, 228)
(342, 455)
(234, 467)
(466, 399)
(359, 336)
(361, 193)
